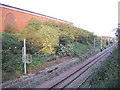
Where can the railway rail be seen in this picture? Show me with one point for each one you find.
(78, 75)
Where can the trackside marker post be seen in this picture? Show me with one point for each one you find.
(24, 56)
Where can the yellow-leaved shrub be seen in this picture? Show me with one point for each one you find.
(44, 36)
(45, 39)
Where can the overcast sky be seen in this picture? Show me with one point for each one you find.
(98, 16)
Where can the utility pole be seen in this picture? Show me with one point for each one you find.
(108, 42)
(101, 44)
(118, 30)
(94, 42)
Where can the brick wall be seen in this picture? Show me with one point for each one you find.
(18, 19)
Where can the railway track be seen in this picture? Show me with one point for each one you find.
(77, 76)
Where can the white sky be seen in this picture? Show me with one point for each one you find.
(98, 16)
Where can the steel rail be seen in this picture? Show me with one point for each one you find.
(88, 77)
(95, 60)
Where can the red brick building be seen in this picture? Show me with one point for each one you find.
(19, 18)
(107, 37)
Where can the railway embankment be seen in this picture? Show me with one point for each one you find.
(107, 76)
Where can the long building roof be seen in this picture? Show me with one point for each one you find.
(27, 11)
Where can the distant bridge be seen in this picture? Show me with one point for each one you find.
(19, 18)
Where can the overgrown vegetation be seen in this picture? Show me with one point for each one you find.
(107, 76)
(46, 41)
